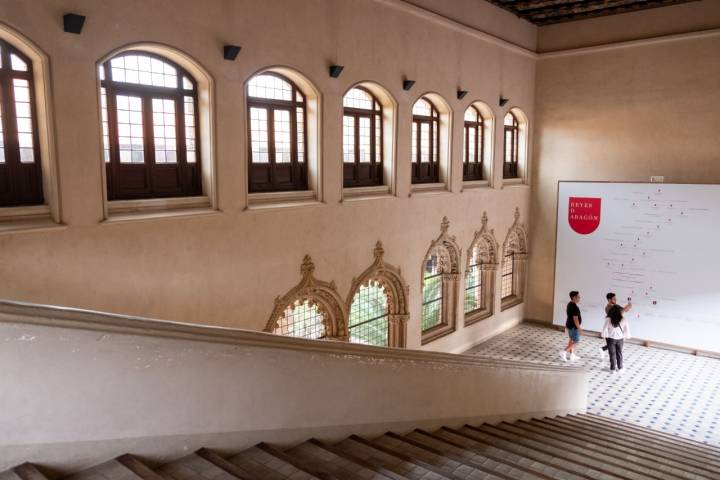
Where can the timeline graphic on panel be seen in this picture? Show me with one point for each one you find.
(656, 246)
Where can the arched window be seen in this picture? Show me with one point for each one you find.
(378, 305)
(150, 127)
(20, 167)
(512, 146)
(514, 266)
(440, 286)
(480, 275)
(425, 142)
(362, 139)
(473, 145)
(277, 118)
(312, 309)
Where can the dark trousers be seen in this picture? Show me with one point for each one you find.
(616, 356)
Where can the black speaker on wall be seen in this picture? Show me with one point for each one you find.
(408, 84)
(461, 94)
(230, 52)
(73, 23)
(503, 101)
(336, 70)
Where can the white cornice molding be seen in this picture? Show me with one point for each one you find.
(88, 320)
(631, 43)
(457, 26)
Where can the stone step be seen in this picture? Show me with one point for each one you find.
(488, 464)
(447, 466)
(493, 450)
(194, 467)
(112, 470)
(650, 437)
(220, 462)
(338, 466)
(587, 451)
(261, 464)
(590, 466)
(370, 465)
(28, 471)
(363, 450)
(138, 467)
(422, 469)
(297, 463)
(652, 433)
(611, 442)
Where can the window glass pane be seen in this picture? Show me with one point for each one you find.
(507, 276)
(17, 64)
(1, 65)
(187, 84)
(300, 134)
(508, 146)
(364, 140)
(282, 136)
(164, 130)
(378, 138)
(101, 72)
(472, 132)
(21, 91)
(105, 125)
(369, 315)
(357, 98)
(425, 142)
(130, 129)
(432, 293)
(269, 86)
(348, 139)
(413, 146)
(422, 107)
(509, 119)
(259, 135)
(143, 70)
(303, 320)
(471, 115)
(190, 145)
(473, 282)
(2, 137)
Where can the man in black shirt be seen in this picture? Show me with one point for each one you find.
(572, 326)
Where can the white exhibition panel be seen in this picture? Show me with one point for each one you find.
(658, 244)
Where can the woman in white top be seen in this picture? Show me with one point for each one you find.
(615, 331)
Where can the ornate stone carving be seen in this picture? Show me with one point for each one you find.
(395, 287)
(487, 244)
(516, 239)
(446, 248)
(323, 295)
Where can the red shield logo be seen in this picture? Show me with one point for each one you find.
(584, 214)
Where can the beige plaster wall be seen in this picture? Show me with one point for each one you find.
(620, 114)
(227, 268)
(654, 22)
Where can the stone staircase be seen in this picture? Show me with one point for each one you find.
(574, 447)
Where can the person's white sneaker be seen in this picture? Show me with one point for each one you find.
(621, 371)
(563, 356)
(613, 372)
(574, 357)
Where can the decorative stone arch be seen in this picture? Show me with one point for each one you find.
(43, 105)
(389, 134)
(396, 289)
(323, 295)
(515, 255)
(205, 85)
(443, 258)
(313, 132)
(481, 263)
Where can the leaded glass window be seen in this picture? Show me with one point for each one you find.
(362, 139)
(369, 315)
(303, 320)
(432, 292)
(512, 144)
(425, 151)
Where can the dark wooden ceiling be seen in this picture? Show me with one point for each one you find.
(546, 12)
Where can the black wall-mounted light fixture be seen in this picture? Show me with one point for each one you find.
(503, 101)
(336, 70)
(230, 52)
(461, 94)
(73, 23)
(408, 84)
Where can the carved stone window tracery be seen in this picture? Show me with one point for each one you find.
(514, 270)
(482, 263)
(440, 278)
(312, 309)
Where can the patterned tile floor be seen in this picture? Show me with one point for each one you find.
(673, 392)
